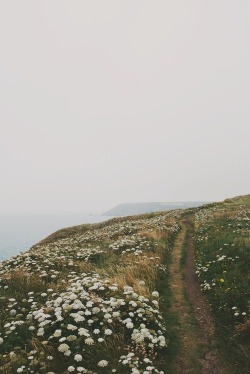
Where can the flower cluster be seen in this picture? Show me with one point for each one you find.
(62, 311)
(86, 317)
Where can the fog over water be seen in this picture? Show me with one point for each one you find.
(19, 233)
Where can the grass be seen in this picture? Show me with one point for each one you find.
(222, 262)
(183, 258)
(83, 302)
(97, 298)
(171, 319)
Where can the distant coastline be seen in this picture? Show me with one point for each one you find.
(127, 209)
(19, 232)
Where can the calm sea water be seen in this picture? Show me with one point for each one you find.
(19, 233)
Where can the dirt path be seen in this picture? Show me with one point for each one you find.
(196, 329)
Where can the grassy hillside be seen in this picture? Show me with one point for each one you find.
(97, 299)
(87, 299)
(222, 245)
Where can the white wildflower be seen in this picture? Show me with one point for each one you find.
(155, 294)
(57, 333)
(108, 332)
(63, 347)
(89, 341)
(102, 363)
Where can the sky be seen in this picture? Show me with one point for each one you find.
(107, 101)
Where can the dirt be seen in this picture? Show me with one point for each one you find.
(198, 354)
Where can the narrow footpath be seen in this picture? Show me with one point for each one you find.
(196, 329)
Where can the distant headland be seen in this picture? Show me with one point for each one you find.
(127, 209)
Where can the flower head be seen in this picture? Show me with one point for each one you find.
(103, 363)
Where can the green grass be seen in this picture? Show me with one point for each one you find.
(131, 251)
(128, 259)
(222, 245)
(171, 319)
(183, 258)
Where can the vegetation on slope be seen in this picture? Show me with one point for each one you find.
(86, 300)
(96, 299)
(222, 245)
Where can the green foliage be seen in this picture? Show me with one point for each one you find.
(222, 245)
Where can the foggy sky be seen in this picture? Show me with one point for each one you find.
(106, 102)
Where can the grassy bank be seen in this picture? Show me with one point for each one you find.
(89, 299)
(98, 298)
(222, 244)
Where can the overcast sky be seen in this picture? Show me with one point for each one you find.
(106, 102)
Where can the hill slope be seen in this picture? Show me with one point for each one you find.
(107, 297)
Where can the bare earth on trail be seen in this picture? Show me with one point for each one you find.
(197, 354)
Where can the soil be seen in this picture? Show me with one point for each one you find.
(198, 354)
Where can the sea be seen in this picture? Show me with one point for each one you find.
(19, 233)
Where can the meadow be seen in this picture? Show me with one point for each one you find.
(96, 298)
(222, 246)
(86, 300)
